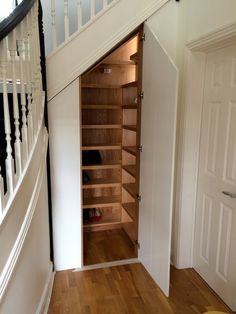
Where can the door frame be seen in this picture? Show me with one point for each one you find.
(195, 63)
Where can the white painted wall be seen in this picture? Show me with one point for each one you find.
(64, 139)
(33, 269)
(26, 269)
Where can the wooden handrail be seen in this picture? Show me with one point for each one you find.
(10, 22)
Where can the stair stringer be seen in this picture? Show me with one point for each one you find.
(87, 46)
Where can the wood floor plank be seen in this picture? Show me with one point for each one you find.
(130, 289)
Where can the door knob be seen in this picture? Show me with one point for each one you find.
(232, 195)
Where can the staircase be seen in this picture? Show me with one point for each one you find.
(92, 40)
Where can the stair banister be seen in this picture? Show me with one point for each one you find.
(22, 95)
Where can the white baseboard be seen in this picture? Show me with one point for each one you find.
(46, 295)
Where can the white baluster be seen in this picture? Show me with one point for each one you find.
(28, 33)
(9, 159)
(66, 19)
(17, 144)
(92, 9)
(79, 13)
(24, 131)
(2, 203)
(54, 30)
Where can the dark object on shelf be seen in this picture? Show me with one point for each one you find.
(86, 177)
(91, 157)
(86, 215)
(91, 215)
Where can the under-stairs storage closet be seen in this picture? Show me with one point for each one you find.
(110, 105)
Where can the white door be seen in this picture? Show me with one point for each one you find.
(160, 79)
(215, 234)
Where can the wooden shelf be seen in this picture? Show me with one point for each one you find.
(131, 84)
(130, 208)
(130, 127)
(130, 106)
(102, 147)
(130, 149)
(102, 201)
(131, 169)
(100, 107)
(105, 86)
(116, 164)
(103, 224)
(117, 62)
(102, 183)
(101, 126)
(130, 188)
(134, 57)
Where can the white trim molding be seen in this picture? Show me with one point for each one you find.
(195, 61)
(47, 292)
(215, 39)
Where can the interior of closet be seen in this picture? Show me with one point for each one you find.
(110, 128)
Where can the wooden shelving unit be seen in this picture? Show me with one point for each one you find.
(101, 183)
(110, 109)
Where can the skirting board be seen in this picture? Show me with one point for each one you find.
(47, 292)
(108, 264)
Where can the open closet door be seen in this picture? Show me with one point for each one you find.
(158, 132)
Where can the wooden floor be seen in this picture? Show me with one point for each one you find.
(107, 246)
(129, 289)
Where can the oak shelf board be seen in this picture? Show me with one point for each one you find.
(102, 201)
(101, 126)
(102, 147)
(130, 188)
(131, 169)
(105, 86)
(101, 222)
(117, 62)
(131, 84)
(130, 208)
(130, 149)
(113, 164)
(102, 183)
(130, 127)
(130, 106)
(134, 57)
(100, 107)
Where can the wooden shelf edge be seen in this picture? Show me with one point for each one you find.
(101, 147)
(101, 183)
(131, 169)
(101, 126)
(130, 149)
(130, 128)
(104, 165)
(102, 107)
(131, 84)
(130, 188)
(105, 86)
(101, 201)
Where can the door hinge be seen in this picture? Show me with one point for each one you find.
(143, 38)
(140, 148)
(141, 95)
(138, 197)
(137, 244)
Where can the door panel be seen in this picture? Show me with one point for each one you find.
(160, 79)
(215, 233)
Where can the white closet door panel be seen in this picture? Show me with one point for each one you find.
(160, 79)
